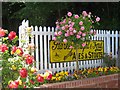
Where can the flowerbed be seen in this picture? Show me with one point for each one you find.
(107, 81)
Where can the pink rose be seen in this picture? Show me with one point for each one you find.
(64, 21)
(57, 23)
(58, 27)
(60, 33)
(72, 23)
(91, 32)
(76, 16)
(97, 19)
(68, 31)
(69, 22)
(71, 47)
(61, 22)
(84, 13)
(63, 28)
(82, 28)
(83, 34)
(56, 34)
(66, 26)
(2, 33)
(79, 32)
(65, 40)
(83, 44)
(74, 31)
(54, 38)
(78, 36)
(66, 34)
(71, 29)
(80, 23)
(69, 14)
(71, 33)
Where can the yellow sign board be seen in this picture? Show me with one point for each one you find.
(60, 52)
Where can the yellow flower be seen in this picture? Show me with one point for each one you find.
(100, 69)
(62, 73)
(53, 78)
(66, 73)
(57, 75)
(14, 67)
(89, 71)
(33, 70)
(57, 79)
(46, 74)
(20, 82)
(18, 51)
(105, 69)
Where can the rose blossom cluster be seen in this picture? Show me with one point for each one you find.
(75, 28)
(19, 63)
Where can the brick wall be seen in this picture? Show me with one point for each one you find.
(108, 81)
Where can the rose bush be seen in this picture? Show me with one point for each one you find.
(18, 70)
(75, 30)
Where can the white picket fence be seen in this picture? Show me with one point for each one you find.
(42, 35)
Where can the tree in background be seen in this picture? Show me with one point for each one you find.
(46, 13)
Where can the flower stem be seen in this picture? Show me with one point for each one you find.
(77, 66)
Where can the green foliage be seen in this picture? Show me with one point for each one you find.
(108, 60)
(45, 13)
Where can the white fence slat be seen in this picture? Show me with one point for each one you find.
(104, 38)
(49, 48)
(41, 50)
(53, 64)
(108, 42)
(45, 50)
(116, 50)
(113, 44)
(36, 43)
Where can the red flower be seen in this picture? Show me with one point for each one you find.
(31, 81)
(24, 87)
(13, 85)
(23, 73)
(14, 48)
(49, 77)
(2, 33)
(3, 48)
(40, 78)
(12, 35)
(17, 82)
(29, 59)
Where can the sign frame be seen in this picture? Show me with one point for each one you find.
(74, 60)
